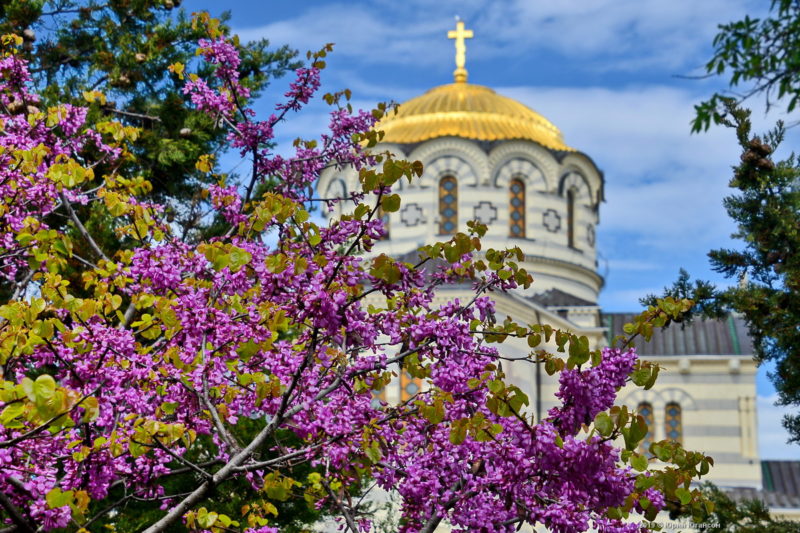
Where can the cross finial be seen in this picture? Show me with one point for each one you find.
(459, 34)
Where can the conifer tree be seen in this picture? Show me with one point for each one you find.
(761, 54)
(113, 55)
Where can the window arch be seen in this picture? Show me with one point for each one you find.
(516, 208)
(673, 423)
(571, 222)
(646, 410)
(448, 205)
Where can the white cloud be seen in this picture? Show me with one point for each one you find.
(371, 35)
(637, 131)
(771, 434)
(662, 183)
(615, 34)
(643, 31)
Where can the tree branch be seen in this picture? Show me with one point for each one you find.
(131, 114)
(15, 515)
(82, 228)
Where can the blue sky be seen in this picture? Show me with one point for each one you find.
(611, 74)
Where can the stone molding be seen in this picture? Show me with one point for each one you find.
(540, 157)
(446, 147)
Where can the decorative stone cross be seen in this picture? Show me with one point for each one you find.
(485, 212)
(551, 221)
(411, 215)
(459, 34)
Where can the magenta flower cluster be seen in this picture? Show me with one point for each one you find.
(585, 393)
(109, 385)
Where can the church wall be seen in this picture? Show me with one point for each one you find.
(717, 398)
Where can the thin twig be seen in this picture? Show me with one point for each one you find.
(351, 524)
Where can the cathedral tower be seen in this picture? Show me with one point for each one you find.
(491, 158)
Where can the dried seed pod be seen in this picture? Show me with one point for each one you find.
(15, 106)
(766, 164)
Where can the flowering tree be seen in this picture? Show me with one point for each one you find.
(111, 385)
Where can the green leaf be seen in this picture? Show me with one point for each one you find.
(652, 379)
(392, 172)
(638, 429)
(247, 350)
(451, 253)
(42, 389)
(373, 451)
(639, 462)
(458, 432)
(205, 518)
(534, 340)
(604, 424)
(390, 203)
(239, 258)
(360, 211)
(683, 495)
(496, 386)
(301, 216)
(640, 376)
(10, 413)
(516, 402)
(56, 498)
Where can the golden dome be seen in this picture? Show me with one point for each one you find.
(469, 111)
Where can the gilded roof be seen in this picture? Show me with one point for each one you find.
(469, 111)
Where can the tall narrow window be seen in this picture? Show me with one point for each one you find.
(673, 426)
(516, 209)
(646, 410)
(378, 397)
(448, 205)
(571, 218)
(384, 216)
(337, 193)
(409, 385)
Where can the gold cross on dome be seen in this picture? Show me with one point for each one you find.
(459, 34)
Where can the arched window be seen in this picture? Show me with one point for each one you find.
(448, 205)
(673, 425)
(646, 410)
(571, 218)
(516, 208)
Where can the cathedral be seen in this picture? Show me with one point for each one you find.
(491, 158)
